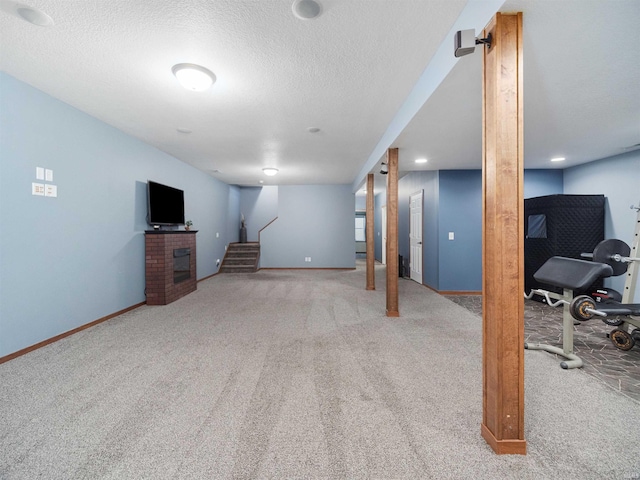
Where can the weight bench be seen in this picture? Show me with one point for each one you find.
(570, 274)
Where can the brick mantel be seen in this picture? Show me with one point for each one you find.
(160, 246)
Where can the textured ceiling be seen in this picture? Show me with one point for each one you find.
(351, 72)
(346, 72)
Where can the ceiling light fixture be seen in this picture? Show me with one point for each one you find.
(421, 160)
(35, 17)
(306, 9)
(270, 172)
(558, 159)
(313, 129)
(193, 77)
(184, 130)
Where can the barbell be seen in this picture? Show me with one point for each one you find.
(615, 253)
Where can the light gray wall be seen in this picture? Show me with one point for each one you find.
(618, 178)
(314, 221)
(259, 205)
(67, 261)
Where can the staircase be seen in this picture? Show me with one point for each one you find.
(241, 258)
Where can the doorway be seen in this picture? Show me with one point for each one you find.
(415, 236)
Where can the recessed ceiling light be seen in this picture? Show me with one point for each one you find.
(270, 172)
(306, 9)
(184, 130)
(261, 181)
(421, 160)
(558, 159)
(35, 16)
(313, 129)
(193, 77)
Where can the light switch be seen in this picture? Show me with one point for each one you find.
(217, 235)
(50, 190)
(37, 189)
(451, 236)
(39, 173)
(48, 175)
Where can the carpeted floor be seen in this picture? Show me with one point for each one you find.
(296, 374)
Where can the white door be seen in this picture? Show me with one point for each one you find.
(415, 236)
(384, 234)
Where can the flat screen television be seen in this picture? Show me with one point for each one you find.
(166, 205)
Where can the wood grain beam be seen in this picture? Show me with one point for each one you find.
(503, 238)
(392, 233)
(370, 236)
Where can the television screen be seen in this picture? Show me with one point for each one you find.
(166, 205)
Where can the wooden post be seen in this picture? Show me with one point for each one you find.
(392, 233)
(370, 236)
(503, 241)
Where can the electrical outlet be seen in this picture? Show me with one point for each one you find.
(217, 235)
(451, 236)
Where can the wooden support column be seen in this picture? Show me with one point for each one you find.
(503, 240)
(370, 236)
(392, 233)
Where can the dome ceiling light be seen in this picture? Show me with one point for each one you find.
(306, 9)
(193, 77)
(35, 16)
(270, 172)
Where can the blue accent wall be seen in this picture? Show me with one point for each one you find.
(453, 203)
(460, 259)
(430, 230)
(314, 221)
(259, 205)
(538, 183)
(618, 179)
(70, 260)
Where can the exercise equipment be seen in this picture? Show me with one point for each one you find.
(570, 275)
(622, 259)
(609, 258)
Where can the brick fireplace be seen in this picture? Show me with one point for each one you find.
(170, 265)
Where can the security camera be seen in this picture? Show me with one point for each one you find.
(465, 41)
(384, 169)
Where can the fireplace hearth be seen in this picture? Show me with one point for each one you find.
(170, 265)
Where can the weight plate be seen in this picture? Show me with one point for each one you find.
(621, 339)
(613, 321)
(579, 305)
(606, 249)
(606, 295)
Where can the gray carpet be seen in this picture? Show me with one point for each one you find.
(294, 374)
